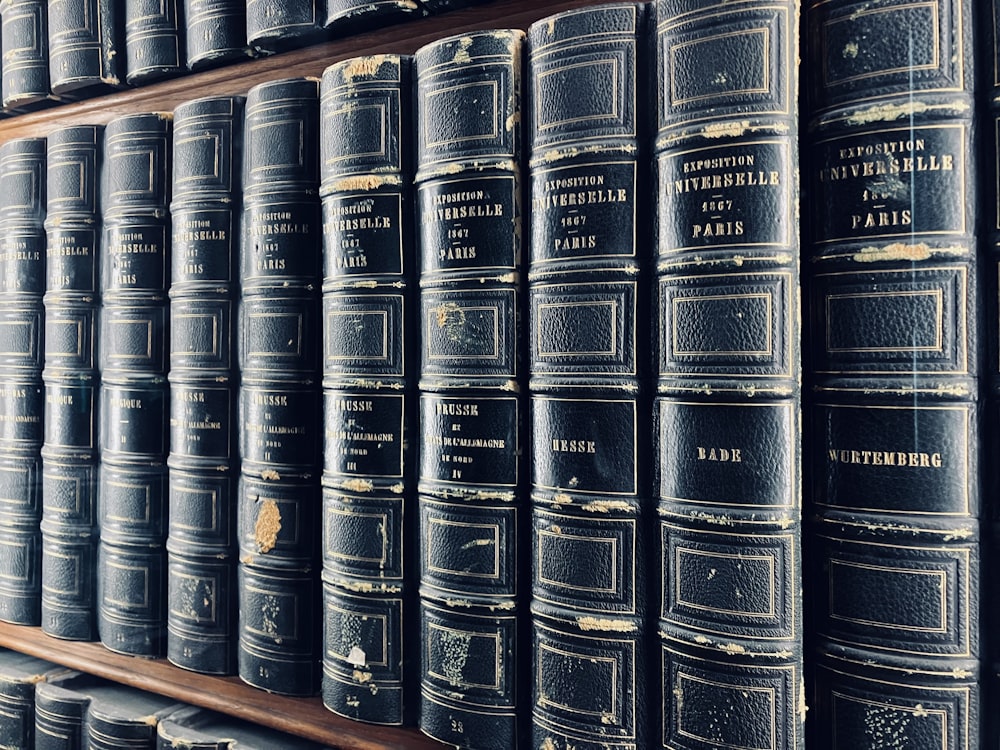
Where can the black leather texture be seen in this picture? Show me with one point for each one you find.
(203, 451)
(590, 272)
(727, 422)
(280, 408)
(369, 390)
(895, 414)
(134, 397)
(473, 404)
(215, 33)
(154, 40)
(86, 46)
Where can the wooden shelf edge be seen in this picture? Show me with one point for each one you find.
(304, 717)
(238, 78)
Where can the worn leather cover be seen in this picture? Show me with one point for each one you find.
(132, 355)
(70, 447)
(203, 379)
(894, 414)
(86, 46)
(25, 40)
(353, 16)
(473, 407)
(279, 408)
(727, 425)
(195, 728)
(75, 711)
(19, 674)
(215, 32)
(590, 274)
(22, 285)
(369, 391)
(154, 40)
(276, 25)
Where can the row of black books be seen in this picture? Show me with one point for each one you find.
(466, 388)
(72, 49)
(44, 706)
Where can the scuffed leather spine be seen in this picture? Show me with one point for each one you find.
(215, 32)
(590, 272)
(203, 456)
(22, 286)
(276, 25)
(72, 381)
(86, 46)
(279, 403)
(369, 390)
(728, 427)
(25, 42)
(472, 475)
(353, 16)
(132, 355)
(154, 40)
(894, 405)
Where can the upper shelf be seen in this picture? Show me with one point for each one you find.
(401, 38)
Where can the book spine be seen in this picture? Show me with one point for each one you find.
(471, 477)
(25, 43)
(369, 390)
(85, 45)
(19, 674)
(120, 716)
(132, 354)
(154, 40)
(22, 286)
(203, 457)
(727, 411)
(894, 412)
(70, 449)
(279, 397)
(216, 32)
(589, 279)
(353, 16)
(58, 718)
(276, 25)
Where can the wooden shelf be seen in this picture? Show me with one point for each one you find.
(305, 717)
(403, 38)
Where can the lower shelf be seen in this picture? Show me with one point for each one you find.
(304, 717)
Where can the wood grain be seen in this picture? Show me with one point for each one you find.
(304, 717)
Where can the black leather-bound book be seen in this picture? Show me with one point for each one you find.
(473, 406)
(132, 354)
(154, 40)
(86, 46)
(215, 32)
(77, 711)
(352, 16)
(279, 397)
(25, 44)
(19, 674)
(72, 381)
(369, 390)
(727, 425)
(203, 457)
(277, 25)
(195, 728)
(894, 361)
(590, 274)
(22, 286)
